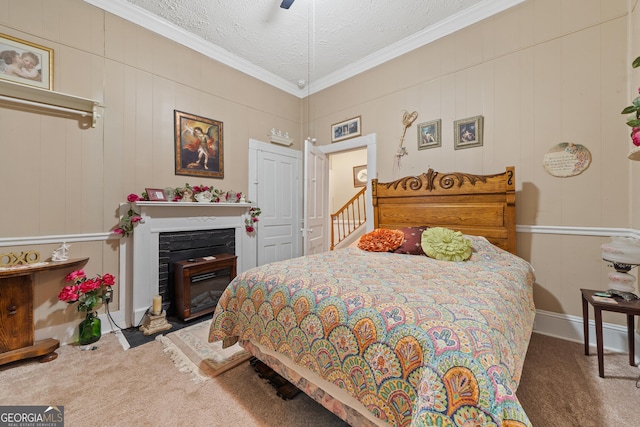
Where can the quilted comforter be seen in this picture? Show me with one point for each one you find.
(417, 341)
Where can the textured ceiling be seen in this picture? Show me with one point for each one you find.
(313, 41)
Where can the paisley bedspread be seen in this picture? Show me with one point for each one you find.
(417, 341)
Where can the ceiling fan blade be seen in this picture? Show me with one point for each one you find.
(286, 4)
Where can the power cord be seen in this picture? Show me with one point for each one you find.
(107, 300)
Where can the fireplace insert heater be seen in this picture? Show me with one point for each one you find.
(200, 282)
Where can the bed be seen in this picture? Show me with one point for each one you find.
(386, 338)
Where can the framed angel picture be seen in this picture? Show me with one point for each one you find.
(198, 145)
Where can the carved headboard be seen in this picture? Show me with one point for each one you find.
(482, 205)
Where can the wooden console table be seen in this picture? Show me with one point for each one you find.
(16, 313)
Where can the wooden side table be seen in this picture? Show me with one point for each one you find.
(16, 313)
(630, 308)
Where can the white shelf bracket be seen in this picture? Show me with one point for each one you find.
(56, 101)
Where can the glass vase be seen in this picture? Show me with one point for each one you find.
(90, 329)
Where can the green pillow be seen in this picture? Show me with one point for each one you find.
(445, 244)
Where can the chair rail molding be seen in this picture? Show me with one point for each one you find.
(69, 238)
(87, 237)
(578, 231)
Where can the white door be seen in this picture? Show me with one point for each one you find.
(276, 188)
(316, 200)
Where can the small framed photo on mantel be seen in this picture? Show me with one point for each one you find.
(156, 194)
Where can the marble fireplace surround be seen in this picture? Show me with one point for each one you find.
(140, 251)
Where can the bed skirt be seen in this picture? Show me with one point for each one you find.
(328, 395)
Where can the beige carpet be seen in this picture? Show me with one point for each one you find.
(191, 352)
(142, 387)
(560, 387)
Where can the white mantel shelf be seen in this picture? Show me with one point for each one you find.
(195, 204)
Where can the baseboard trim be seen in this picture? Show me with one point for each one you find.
(570, 328)
(67, 333)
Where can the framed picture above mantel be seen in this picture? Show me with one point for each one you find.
(198, 146)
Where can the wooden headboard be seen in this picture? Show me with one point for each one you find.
(482, 205)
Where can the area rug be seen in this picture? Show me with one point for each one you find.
(191, 352)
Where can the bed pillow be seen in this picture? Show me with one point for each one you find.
(412, 243)
(381, 240)
(445, 244)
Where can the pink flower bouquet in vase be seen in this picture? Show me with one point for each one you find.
(633, 121)
(88, 293)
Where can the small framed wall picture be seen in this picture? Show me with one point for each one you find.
(467, 133)
(429, 134)
(26, 63)
(346, 129)
(360, 176)
(156, 194)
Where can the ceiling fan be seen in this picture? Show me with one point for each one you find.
(286, 4)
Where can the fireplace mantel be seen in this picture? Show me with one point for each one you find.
(139, 252)
(207, 205)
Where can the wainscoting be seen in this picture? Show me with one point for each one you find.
(559, 325)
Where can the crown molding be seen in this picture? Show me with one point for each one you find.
(151, 22)
(463, 19)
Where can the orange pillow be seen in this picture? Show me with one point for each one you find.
(381, 240)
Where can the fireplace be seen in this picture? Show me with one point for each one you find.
(140, 272)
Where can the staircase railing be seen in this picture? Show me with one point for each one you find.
(348, 218)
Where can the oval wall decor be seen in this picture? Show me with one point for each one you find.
(567, 159)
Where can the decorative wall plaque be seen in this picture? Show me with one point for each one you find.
(567, 159)
(19, 258)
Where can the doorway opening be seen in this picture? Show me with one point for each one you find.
(347, 196)
(317, 215)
